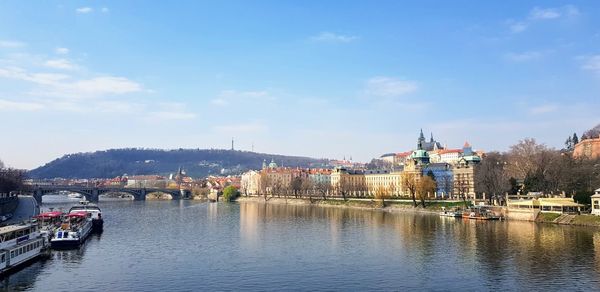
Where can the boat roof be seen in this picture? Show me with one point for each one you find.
(11, 228)
(52, 214)
(78, 214)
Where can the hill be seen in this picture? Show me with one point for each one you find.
(196, 162)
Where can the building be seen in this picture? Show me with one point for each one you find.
(429, 146)
(596, 203)
(444, 177)
(146, 181)
(547, 205)
(587, 148)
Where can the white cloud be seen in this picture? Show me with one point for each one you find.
(171, 115)
(63, 64)
(390, 87)
(227, 97)
(517, 27)
(84, 10)
(540, 14)
(543, 109)
(251, 127)
(104, 10)
(19, 106)
(11, 44)
(544, 13)
(105, 85)
(525, 56)
(333, 38)
(62, 51)
(591, 63)
(219, 102)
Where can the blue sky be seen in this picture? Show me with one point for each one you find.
(315, 78)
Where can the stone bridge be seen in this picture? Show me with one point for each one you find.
(92, 193)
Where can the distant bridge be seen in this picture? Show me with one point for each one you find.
(92, 193)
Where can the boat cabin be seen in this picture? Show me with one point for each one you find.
(15, 234)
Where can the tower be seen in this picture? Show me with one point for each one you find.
(231, 143)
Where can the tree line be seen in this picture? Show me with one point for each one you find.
(529, 166)
(11, 179)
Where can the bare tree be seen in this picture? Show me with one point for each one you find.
(323, 189)
(425, 186)
(381, 194)
(410, 181)
(491, 177)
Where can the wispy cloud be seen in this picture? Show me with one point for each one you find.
(227, 97)
(8, 105)
(11, 44)
(84, 10)
(331, 37)
(524, 56)
(517, 26)
(390, 87)
(63, 85)
(542, 14)
(543, 109)
(62, 64)
(591, 63)
(250, 127)
(61, 51)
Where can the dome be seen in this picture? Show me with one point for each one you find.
(420, 153)
(272, 164)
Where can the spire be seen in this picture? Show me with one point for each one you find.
(431, 139)
(421, 136)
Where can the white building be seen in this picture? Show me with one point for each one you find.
(596, 203)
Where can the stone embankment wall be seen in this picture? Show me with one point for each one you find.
(521, 214)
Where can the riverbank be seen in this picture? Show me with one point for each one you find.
(432, 208)
(365, 204)
(567, 219)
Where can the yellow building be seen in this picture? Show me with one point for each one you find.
(550, 205)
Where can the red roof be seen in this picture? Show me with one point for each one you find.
(53, 214)
(403, 154)
(449, 151)
(80, 214)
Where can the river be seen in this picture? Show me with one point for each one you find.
(190, 246)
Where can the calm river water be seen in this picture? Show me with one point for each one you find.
(191, 246)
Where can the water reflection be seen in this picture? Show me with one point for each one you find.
(441, 250)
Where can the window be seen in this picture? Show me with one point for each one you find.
(12, 254)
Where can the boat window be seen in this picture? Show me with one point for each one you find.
(2, 258)
(12, 254)
(59, 235)
(66, 234)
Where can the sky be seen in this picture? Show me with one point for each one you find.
(325, 79)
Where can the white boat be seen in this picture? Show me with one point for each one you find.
(73, 231)
(94, 210)
(74, 196)
(48, 222)
(20, 244)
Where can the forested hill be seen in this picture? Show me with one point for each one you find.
(196, 162)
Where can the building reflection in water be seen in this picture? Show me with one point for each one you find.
(513, 253)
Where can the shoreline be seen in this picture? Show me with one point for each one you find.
(392, 207)
(350, 204)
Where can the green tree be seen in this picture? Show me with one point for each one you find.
(230, 193)
(575, 140)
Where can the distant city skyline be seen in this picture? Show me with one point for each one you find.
(325, 80)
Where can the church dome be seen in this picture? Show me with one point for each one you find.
(272, 164)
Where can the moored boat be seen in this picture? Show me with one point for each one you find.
(20, 244)
(94, 210)
(73, 231)
(48, 222)
(479, 214)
